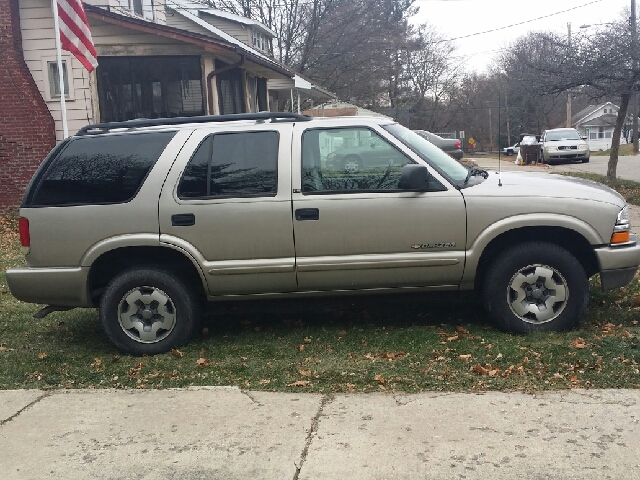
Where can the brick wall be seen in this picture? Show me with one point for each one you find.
(27, 130)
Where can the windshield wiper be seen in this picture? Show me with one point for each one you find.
(473, 171)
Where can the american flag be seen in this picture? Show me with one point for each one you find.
(75, 36)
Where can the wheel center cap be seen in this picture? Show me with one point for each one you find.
(537, 294)
(147, 314)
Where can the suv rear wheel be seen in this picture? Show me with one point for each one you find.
(146, 311)
(536, 286)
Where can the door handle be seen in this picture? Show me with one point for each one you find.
(183, 220)
(307, 214)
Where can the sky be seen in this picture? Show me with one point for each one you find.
(459, 18)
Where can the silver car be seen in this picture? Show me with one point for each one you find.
(148, 220)
(564, 144)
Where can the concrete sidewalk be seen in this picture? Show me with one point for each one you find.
(225, 433)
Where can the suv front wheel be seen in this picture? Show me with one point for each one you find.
(145, 311)
(536, 286)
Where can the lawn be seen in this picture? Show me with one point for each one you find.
(625, 149)
(403, 343)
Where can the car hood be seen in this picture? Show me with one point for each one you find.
(543, 185)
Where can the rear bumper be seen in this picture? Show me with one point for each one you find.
(457, 154)
(50, 286)
(618, 265)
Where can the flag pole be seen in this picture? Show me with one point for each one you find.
(63, 105)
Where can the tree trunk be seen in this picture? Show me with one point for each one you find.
(615, 141)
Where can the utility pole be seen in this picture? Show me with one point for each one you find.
(634, 60)
(569, 91)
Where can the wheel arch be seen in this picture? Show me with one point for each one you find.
(112, 262)
(569, 239)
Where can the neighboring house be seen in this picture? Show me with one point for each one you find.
(596, 122)
(339, 109)
(156, 58)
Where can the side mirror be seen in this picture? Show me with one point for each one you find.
(414, 177)
(584, 137)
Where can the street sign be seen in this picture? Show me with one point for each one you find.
(461, 133)
(471, 141)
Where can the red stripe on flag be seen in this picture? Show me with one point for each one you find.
(76, 38)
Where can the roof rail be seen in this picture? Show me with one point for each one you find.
(99, 128)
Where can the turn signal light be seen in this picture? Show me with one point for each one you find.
(620, 237)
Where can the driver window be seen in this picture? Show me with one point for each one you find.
(349, 160)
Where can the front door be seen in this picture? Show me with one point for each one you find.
(355, 229)
(227, 201)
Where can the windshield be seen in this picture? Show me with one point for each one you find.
(562, 135)
(447, 166)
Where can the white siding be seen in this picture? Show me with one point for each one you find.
(38, 44)
(235, 29)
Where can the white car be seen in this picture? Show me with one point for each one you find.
(564, 144)
(512, 150)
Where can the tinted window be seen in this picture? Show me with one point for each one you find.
(232, 165)
(100, 170)
(349, 160)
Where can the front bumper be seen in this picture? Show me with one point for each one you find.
(566, 155)
(50, 286)
(618, 265)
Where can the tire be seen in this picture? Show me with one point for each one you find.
(585, 160)
(160, 298)
(518, 304)
(352, 164)
(509, 153)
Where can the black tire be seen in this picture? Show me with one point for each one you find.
(352, 164)
(585, 160)
(503, 290)
(160, 297)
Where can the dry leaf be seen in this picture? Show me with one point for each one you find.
(489, 347)
(379, 379)
(578, 343)
(177, 353)
(300, 347)
(465, 357)
(202, 362)
(97, 362)
(462, 330)
(307, 339)
(265, 381)
(42, 355)
(479, 369)
(299, 383)
(557, 375)
(454, 338)
(574, 378)
(305, 373)
(494, 372)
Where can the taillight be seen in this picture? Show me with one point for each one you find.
(458, 144)
(25, 238)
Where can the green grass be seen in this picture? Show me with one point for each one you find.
(404, 343)
(629, 189)
(625, 149)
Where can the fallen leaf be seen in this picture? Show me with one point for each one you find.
(202, 362)
(307, 339)
(299, 383)
(465, 357)
(494, 372)
(177, 353)
(300, 347)
(202, 352)
(42, 355)
(454, 338)
(479, 369)
(557, 375)
(305, 373)
(574, 378)
(499, 356)
(626, 334)
(489, 346)
(578, 343)
(379, 379)
(265, 381)
(462, 330)
(96, 362)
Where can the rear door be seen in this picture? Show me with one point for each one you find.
(227, 201)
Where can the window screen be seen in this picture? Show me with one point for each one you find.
(232, 165)
(100, 170)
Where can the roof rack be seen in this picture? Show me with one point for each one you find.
(99, 128)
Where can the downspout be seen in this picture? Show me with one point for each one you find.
(213, 73)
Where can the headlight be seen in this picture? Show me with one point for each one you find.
(551, 149)
(622, 228)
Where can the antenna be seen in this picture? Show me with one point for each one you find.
(499, 132)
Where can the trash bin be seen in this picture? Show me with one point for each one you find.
(529, 149)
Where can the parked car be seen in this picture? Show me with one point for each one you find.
(372, 152)
(564, 144)
(512, 150)
(452, 146)
(148, 220)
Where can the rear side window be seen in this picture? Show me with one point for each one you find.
(233, 165)
(100, 170)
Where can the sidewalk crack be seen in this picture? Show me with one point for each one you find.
(256, 402)
(29, 405)
(315, 421)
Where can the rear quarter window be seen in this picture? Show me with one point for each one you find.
(99, 170)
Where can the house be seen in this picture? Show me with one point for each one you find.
(339, 109)
(156, 58)
(596, 122)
